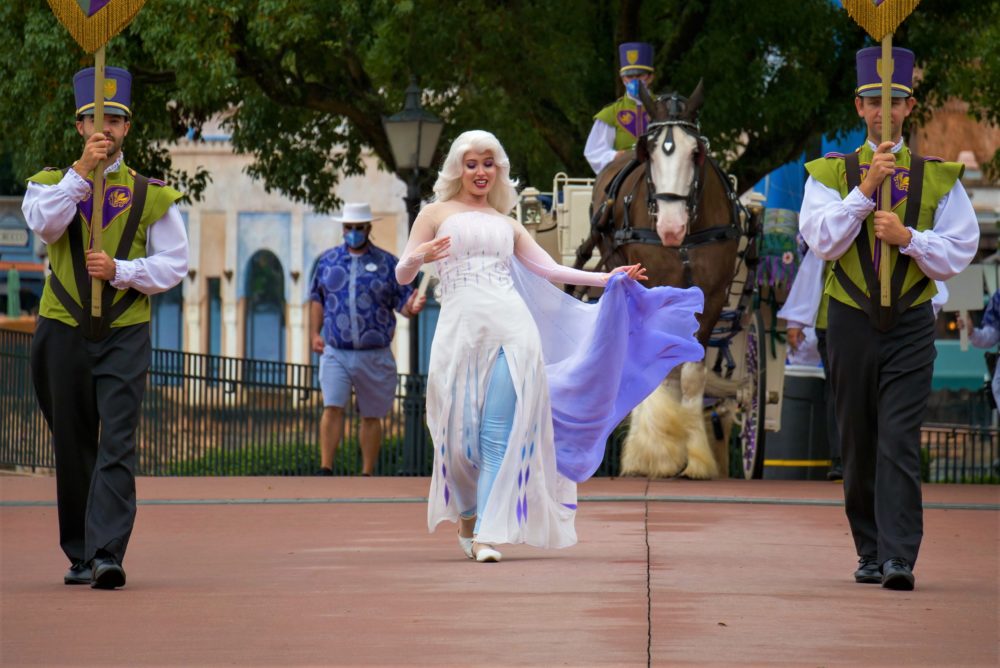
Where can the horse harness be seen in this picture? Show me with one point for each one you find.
(603, 221)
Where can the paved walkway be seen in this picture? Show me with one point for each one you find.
(337, 571)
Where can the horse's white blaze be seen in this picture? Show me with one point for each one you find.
(673, 173)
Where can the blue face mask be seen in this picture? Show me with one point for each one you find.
(355, 239)
(632, 88)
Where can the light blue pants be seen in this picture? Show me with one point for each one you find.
(494, 431)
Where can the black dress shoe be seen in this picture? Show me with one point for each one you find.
(107, 573)
(324, 472)
(897, 574)
(78, 574)
(867, 572)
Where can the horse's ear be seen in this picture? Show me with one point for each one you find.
(641, 150)
(695, 100)
(648, 102)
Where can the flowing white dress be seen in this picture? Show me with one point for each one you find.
(481, 311)
(594, 361)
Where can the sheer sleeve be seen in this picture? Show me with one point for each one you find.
(537, 261)
(410, 261)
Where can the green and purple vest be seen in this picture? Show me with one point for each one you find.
(629, 124)
(122, 237)
(847, 278)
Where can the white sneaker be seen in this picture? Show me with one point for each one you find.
(466, 545)
(486, 554)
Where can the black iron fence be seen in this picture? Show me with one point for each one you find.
(960, 453)
(212, 415)
(24, 437)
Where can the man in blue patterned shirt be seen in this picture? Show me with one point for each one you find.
(353, 295)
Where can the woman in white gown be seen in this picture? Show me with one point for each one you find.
(488, 392)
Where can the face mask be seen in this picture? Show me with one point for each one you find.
(632, 88)
(356, 239)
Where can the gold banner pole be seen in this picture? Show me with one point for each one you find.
(97, 215)
(885, 201)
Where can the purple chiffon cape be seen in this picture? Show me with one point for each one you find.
(602, 359)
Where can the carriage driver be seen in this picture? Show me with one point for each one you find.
(619, 125)
(882, 358)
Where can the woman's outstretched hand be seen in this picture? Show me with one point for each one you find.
(634, 271)
(433, 250)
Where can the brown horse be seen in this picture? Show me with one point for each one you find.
(669, 206)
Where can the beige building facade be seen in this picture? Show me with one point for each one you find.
(245, 241)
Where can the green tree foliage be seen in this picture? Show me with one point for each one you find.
(303, 84)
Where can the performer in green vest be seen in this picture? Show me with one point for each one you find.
(882, 358)
(619, 125)
(90, 373)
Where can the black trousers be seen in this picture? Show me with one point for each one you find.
(881, 385)
(832, 433)
(90, 394)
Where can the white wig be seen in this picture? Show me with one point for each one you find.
(503, 194)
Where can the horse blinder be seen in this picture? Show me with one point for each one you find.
(642, 149)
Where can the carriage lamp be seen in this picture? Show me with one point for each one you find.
(529, 207)
(413, 135)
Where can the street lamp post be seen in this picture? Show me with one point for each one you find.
(413, 135)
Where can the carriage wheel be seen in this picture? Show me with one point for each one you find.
(752, 399)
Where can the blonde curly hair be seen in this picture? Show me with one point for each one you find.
(503, 195)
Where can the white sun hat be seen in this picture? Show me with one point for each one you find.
(355, 212)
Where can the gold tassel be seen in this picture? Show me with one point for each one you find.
(93, 32)
(879, 20)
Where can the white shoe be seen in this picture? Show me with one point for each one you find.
(466, 545)
(486, 554)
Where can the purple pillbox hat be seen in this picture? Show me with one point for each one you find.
(117, 91)
(869, 80)
(635, 58)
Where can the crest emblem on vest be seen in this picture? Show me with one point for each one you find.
(900, 184)
(632, 122)
(119, 198)
(901, 181)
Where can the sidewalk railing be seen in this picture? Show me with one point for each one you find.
(212, 415)
(960, 453)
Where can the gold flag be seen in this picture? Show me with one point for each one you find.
(93, 23)
(879, 18)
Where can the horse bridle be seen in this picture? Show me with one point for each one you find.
(627, 234)
(693, 197)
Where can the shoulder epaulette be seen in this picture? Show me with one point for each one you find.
(152, 181)
(52, 169)
(834, 155)
(933, 158)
